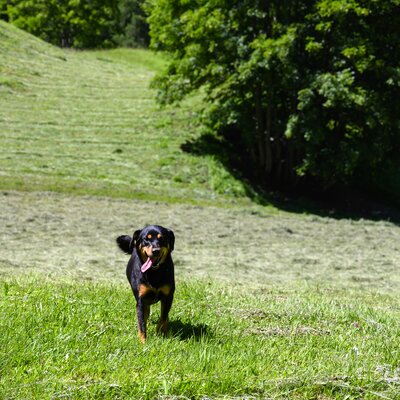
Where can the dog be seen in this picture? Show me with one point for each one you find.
(150, 272)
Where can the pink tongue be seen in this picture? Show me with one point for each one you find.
(147, 265)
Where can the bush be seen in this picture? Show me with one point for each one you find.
(80, 24)
(311, 87)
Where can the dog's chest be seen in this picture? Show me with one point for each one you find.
(153, 294)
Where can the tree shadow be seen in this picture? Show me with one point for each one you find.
(308, 197)
(186, 331)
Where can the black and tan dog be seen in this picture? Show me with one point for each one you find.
(150, 272)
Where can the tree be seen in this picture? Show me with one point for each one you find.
(133, 27)
(312, 87)
(80, 23)
(347, 111)
(68, 23)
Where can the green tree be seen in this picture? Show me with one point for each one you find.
(312, 87)
(348, 111)
(68, 23)
(133, 26)
(80, 23)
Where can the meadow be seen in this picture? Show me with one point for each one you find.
(87, 123)
(269, 303)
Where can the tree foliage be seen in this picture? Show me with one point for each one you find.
(133, 29)
(80, 23)
(312, 87)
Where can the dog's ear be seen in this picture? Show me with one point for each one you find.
(125, 243)
(135, 238)
(171, 237)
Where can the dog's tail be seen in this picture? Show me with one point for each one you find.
(125, 243)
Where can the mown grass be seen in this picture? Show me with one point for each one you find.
(75, 236)
(68, 340)
(87, 122)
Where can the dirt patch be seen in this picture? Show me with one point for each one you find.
(285, 331)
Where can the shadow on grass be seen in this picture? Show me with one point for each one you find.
(338, 202)
(186, 331)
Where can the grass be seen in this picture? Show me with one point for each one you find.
(78, 341)
(298, 307)
(87, 122)
(75, 236)
(269, 304)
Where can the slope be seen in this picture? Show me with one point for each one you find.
(87, 122)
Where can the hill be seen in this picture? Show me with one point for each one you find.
(87, 122)
(269, 303)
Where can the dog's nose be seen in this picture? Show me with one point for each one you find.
(156, 252)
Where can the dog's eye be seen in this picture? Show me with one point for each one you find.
(149, 236)
(159, 236)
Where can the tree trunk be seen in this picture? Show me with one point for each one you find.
(259, 128)
(268, 141)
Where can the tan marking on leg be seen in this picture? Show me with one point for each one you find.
(142, 336)
(146, 314)
(162, 326)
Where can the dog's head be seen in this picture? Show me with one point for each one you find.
(153, 244)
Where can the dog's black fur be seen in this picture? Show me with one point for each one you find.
(151, 245)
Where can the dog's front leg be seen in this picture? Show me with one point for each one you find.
(143, 312)
(166, 303)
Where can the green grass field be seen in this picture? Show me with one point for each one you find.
(269, 304)
(70, 340)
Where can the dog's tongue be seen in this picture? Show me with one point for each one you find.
(147, 265)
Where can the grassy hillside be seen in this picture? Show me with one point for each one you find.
(269, 304)
(86, 122)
